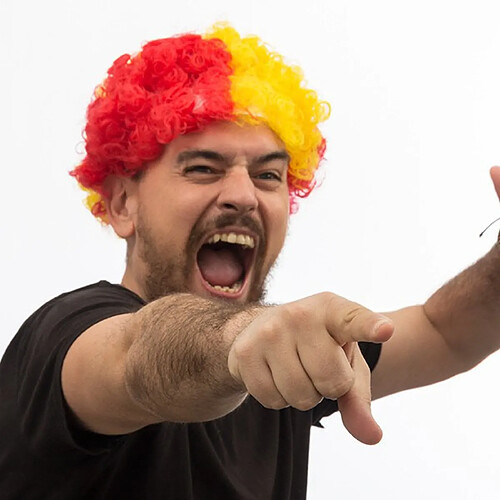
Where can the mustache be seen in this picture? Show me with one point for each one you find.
(239, 221)
(224, 220)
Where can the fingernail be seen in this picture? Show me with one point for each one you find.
(382, 321)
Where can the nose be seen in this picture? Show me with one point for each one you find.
(237, 193)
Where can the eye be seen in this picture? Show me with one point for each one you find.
(269, 176)
(202, 174)
(199, 169)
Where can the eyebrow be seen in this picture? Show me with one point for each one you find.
(194, 154)
(275, 155)
(208, 154)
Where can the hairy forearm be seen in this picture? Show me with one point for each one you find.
(176, 367)
(466, 311)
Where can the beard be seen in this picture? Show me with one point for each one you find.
(171, 272)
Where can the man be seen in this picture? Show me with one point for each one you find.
(180, 383)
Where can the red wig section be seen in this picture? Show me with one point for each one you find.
(173, 86)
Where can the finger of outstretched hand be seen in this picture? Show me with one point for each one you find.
(258, 381)
(326, 364)
(355, 405)
(348, 321)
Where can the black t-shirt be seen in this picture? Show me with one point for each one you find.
(252, 453)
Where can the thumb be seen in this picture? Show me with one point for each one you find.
(355, 405)
(495, 177)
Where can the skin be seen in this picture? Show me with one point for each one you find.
(287, 355)
(235, 188)
(495, 177)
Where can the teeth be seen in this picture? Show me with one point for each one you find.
(233, 289)
(239, 239)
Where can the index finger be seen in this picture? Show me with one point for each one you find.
(355, 405)
(348, 321)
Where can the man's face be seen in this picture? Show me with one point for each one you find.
(212, 213)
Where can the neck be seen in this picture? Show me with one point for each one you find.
(131, 281)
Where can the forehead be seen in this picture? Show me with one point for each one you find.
(229, 138)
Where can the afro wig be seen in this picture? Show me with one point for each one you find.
(181, 84)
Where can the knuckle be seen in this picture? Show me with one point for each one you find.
(296, 313)
(329, 297)
(307, 403)
(351, 314)
(330, 300)
(336, 387)
(274, 403)
(263, 390)
(270, 332)
(241, 350)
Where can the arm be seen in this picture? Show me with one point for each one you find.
(165, 362)
(452, 332)
(183, 359)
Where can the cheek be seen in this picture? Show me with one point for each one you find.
(177, 207)
(280, 237)
(278, 227)
(186, 214)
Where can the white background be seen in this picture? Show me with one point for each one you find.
(415, 126)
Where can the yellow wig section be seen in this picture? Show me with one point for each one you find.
(263, 90)
(267, 90)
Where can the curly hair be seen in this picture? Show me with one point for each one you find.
(181, 84)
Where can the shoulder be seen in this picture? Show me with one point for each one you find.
(95, 302)
(61, 320)
(101, 294)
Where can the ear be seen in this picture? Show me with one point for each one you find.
(121, 204)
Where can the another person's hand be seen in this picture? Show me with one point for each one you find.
(298, 353)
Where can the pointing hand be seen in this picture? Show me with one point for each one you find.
(298, 353)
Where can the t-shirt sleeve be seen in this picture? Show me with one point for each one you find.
(371, 353)
(40, 347)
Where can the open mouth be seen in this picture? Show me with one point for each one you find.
(225, 262)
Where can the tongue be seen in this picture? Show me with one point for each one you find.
(219, 267)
